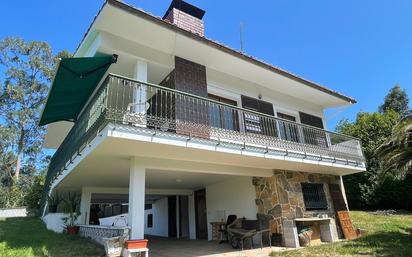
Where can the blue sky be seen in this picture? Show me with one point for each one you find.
(359, 48)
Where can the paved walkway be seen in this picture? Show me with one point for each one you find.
(169, 247)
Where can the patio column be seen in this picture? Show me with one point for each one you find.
(85, 201)
(192, 217)
(140, 92)
(136, 199)
(342, 188)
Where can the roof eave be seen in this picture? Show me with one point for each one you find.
(159, 21)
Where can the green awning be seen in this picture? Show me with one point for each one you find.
(74, 82)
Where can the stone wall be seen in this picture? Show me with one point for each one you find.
(280, 196)
(98, 233)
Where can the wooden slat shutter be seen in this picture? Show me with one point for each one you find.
(250, 103)
(313, 136)
(256, 124)
(311, 120)
(266, 108)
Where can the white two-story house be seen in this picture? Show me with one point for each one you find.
(153, 120)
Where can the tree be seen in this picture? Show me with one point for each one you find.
(28, 69)
(396, 151)
(372, 129)
(396, 100)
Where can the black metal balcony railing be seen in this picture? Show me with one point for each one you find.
(125, 101)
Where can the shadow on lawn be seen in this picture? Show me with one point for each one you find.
(28, 236)
(384, 244)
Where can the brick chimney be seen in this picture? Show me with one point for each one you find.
(186, 16)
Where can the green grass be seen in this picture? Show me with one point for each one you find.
(27, 237)
(387, 236)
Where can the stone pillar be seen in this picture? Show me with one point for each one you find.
(85, 202)
(140, 92)
(136, 199)
(328, 232)
(290, 234)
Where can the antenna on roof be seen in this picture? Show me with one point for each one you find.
(241, 37)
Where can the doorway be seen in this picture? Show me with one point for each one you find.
(200, 214)
(172, 216)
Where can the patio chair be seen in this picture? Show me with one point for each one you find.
(241, 233)
(223, 231)
(264, 228)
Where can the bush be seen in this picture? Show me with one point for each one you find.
(34, 194)
(394, 193)
(11, 197)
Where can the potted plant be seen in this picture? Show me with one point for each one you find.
(54, 201)
(71, 202)
(136, 244)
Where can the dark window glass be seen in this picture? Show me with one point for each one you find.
(223, 116)
(150, 220)
(288, 131)
(148, 206)
(314, 196)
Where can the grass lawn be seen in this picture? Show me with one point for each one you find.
(387, 236)
(27, 237)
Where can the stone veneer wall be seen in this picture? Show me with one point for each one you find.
(280, 196)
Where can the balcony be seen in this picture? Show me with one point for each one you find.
(160, 110)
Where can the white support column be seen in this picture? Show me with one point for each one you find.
(85, 202)
(342, 188)
(136, 199)
(192, 218)
(140, 93)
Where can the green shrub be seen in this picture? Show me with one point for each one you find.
(34, 194)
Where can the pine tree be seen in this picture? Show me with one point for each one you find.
(396, 100)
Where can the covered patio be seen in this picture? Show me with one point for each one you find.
(169, 247)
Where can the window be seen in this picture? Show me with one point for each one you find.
(148, 206)
(223, 116)
(313, 136)
(314, 196)
(150, 220)
(255, 123)
(288, 131)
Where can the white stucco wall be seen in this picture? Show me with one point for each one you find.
(233, 196)
(13, 212)
(160, 219)
(54, 221)
(225, 85)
